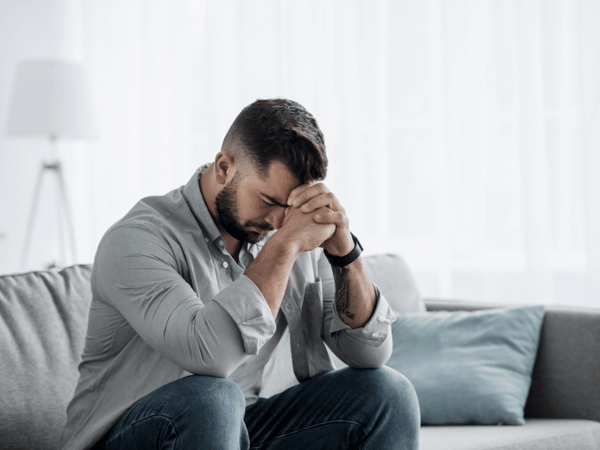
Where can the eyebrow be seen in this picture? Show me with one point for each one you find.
(272, 200)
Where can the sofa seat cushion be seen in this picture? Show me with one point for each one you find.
(43, 321)
(536, 434)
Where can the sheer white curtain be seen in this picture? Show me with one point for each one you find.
(464, 135)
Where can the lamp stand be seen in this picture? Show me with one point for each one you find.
(65, 221)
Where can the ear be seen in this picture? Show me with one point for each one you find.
(225, 168)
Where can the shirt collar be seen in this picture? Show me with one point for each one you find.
(194, 198)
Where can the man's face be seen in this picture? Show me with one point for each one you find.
(228, 215)
(249, 207)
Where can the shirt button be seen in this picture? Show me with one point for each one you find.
(225, 264)
(221, 243)
(206, 239)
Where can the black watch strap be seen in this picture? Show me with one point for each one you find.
(341, 261)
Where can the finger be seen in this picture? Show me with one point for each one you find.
(337, 218)
(304, 193)
(295, 195)
(327, 200)
(296, 192)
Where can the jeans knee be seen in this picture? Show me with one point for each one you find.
(221, 398)
(402, 393)
(395, 396)
(192, 412)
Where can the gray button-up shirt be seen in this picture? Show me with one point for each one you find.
(169, 301)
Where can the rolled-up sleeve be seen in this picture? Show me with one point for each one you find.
(245, 304)
(137, 273)
(363, 347)
(375, 331)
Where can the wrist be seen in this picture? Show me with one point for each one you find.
(347, 259)
(341, 246)
(283, 245)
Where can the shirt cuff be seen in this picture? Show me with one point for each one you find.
(246, 305)
(376, 330)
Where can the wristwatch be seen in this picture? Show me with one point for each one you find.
(341, 261)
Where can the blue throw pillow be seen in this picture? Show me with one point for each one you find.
(469, 367)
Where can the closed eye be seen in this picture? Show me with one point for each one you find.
(267, 200)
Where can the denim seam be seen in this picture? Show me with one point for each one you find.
(152, 416)
(309, 427)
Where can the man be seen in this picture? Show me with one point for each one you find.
(193, 290)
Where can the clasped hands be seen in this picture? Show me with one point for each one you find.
(316, 218)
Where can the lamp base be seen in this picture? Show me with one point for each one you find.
(65, 221)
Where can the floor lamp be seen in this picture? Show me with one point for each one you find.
(51, 99)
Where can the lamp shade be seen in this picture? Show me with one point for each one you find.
(51, 98)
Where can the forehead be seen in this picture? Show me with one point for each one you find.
(277, 184)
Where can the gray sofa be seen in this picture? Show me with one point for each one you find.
(43, 318)
(563, 405)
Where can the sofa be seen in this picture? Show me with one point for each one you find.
(43, 319)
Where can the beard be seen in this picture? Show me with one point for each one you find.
(228, 217)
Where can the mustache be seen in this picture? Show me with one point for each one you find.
(261, 226)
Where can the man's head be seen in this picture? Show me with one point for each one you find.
(273, 146)
(278, 130)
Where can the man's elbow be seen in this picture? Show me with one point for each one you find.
(369, 356)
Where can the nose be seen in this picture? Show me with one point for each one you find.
(275, 217)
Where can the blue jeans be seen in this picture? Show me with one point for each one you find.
(374, 409)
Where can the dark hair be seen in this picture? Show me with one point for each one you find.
(280, 130)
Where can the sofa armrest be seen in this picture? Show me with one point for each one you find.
(566, 376)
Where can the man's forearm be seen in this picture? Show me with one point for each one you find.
(355, 295)
(271, 270)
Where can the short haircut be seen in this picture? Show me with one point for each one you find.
(279, 130)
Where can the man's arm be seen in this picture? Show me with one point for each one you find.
(271, 269)
(367, 346)
(359, 334)
(355, 296)
(136, 272)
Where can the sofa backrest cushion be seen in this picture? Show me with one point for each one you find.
(566, 377)
(43, 321)
(395, 280)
